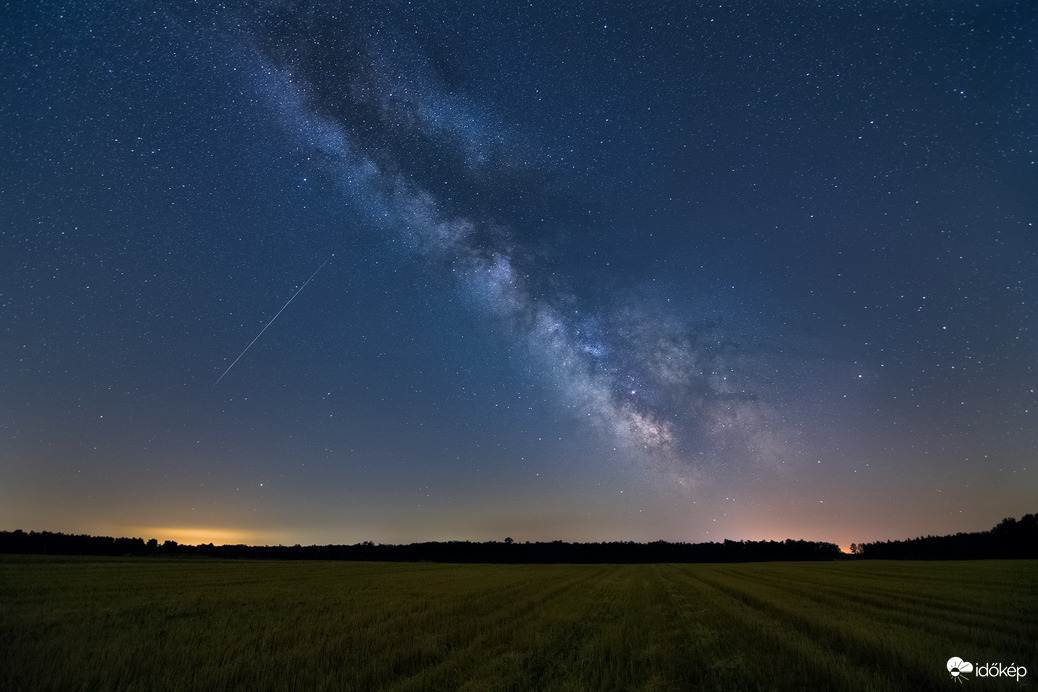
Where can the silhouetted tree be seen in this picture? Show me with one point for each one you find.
(1011, 538)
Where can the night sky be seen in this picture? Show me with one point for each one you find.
(583, 271)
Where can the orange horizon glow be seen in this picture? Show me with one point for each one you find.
(229, 536)
(197, 535)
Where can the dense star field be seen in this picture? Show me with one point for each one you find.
(325, 272)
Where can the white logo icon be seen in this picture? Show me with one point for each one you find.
(956, 666)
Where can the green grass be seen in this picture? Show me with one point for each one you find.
(100, 624)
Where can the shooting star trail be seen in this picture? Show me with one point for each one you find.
(273, 318)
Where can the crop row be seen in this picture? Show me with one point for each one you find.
(98, 623)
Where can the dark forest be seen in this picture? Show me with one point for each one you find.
(1011, 538)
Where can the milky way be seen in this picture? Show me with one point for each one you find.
(410, 151)
(601, 270)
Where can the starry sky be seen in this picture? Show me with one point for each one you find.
(324, 272)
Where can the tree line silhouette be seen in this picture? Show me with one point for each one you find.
(1010, 539)
(507, 551)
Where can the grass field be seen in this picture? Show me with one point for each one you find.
(100, 624)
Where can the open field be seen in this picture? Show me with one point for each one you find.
(101, 623)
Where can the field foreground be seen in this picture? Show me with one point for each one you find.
(103, 623)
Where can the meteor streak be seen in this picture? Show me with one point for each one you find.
(298, 291)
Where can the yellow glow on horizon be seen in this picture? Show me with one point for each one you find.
(197, 535)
